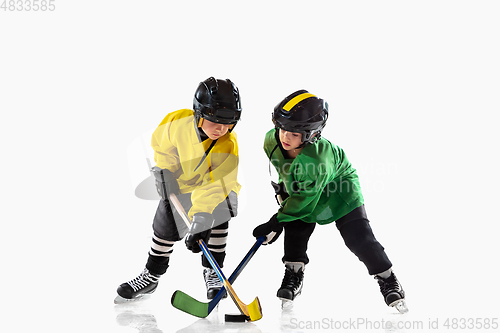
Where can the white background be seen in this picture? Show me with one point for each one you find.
(413, 94)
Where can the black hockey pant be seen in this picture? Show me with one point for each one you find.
(354, 229)
(169, 228)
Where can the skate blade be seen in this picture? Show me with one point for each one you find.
(400, 305)
(121, 300)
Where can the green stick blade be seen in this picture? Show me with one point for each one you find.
(186, 303)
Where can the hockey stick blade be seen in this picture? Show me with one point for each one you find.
(253, 310)
(188, 304)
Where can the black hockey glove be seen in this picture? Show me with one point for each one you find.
(272, 230)
(280, 192)
(165, 182)
(201, 228)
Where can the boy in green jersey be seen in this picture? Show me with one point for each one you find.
(318, 185)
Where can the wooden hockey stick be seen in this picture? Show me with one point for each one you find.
(253, 311)
(188, 304)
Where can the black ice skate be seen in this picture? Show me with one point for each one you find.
(144, 284)
(213, 283)
(291, 286)
(393, 292)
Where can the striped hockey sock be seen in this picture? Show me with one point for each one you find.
(161, 247)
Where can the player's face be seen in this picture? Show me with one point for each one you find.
(214, 130)
(290, 140)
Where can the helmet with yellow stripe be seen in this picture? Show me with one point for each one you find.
(302, 112)
(217, 101)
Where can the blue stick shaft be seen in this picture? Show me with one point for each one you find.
(213, 303)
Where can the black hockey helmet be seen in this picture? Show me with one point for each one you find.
(217, 101)
(302, 112)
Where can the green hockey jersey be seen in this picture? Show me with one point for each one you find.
(321, 182)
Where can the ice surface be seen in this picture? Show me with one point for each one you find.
(413, 95)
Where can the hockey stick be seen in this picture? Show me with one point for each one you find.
(188, 304)
(253, 311)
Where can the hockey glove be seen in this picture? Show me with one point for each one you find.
(272, 230)
(280, 192)
(201, 228)
(165, 182)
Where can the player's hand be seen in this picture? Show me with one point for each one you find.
(271, 229)
(201, 228)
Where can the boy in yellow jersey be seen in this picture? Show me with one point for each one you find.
(196, 155)
(318, 186)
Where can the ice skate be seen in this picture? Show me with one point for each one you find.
(291, 285)
(213, 283)
(137, 288)
(393, 292)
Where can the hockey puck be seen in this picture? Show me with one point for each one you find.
(235, 318)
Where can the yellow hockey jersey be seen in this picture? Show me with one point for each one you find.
(208, 177)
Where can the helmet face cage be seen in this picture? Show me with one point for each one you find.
(308, 135)
(303, 113)
(217, 101)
